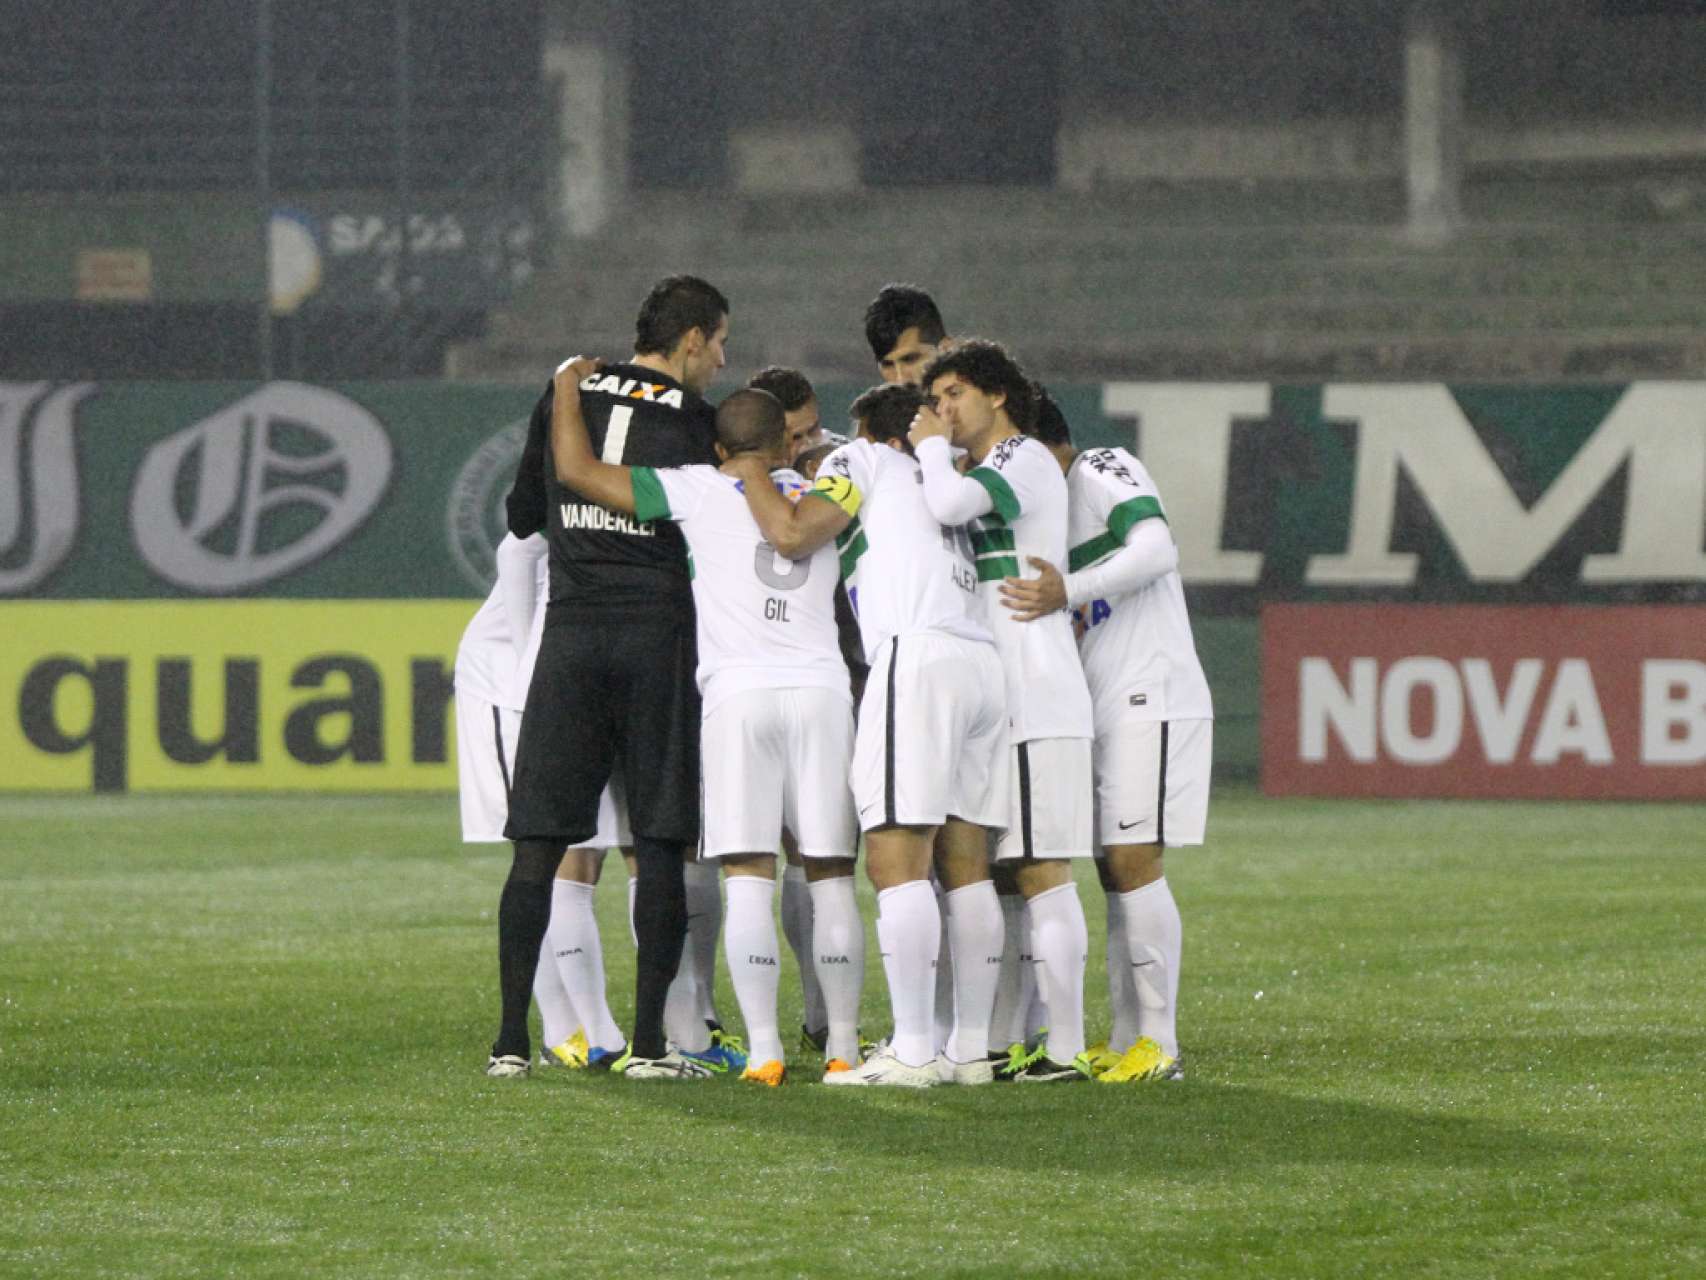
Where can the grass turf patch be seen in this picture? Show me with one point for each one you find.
(244, 1036)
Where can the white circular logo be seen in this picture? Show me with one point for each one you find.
(476, 520)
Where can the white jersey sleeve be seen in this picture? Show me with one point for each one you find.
(1139, 654)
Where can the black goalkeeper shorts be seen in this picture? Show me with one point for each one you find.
(609, 695)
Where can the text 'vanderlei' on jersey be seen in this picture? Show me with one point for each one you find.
(604, 562)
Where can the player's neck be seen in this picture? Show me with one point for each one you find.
(1064, 454)
(980, 446)
(676, 368)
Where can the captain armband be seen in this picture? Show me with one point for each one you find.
(839, 490)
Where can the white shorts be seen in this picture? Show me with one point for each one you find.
(932, 737)
(1152, 781)
(485, 756)
(1050, 798)
(775, 757)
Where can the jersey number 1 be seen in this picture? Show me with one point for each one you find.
(616, 434)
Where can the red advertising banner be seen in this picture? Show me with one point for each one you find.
(1543, 702)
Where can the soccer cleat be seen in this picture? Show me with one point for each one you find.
(726, 1054)
(672, 1066)
(837, 1064)
(1046, 1070)
(614, 1060)
(884, 1068)
(812, 1042)
(979, 1071)
(771, 1073)
(1144, 1062)
(506, 1066)
(1101, 1057)
(571, 1054)
(1012, 1064)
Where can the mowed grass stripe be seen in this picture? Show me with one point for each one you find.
(243, 1036)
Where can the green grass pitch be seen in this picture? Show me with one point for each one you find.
(243, 1036)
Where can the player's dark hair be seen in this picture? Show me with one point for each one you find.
(749, 420)
(790, 386)
(676, 305)
(897, 308)
(809, 460)
(1050, 425)
(885, 412)
(988, 367)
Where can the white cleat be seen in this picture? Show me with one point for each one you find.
(979, 1071)
(884, 1068)
(506, 1066)
(672, 1066)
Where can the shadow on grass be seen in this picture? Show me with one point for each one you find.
(1191, 1129)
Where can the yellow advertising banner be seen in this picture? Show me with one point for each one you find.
(245, 695)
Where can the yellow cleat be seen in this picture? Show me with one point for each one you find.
(571, 1054)
(1144, 1062)
(771, 1074)
(1101, 1057)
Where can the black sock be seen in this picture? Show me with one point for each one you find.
(524, 911)
(660, 923)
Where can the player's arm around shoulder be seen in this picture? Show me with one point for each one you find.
(578, 467)
(797, 528)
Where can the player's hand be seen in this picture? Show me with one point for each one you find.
(926, 425)
(1033, 598)
(749, 468)
(574, 371)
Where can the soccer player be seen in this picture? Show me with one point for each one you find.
(777, 735)
(614, 680)
(930, 749)
(977, 397)
(905, 330)
(805, 435)
(1154, 728)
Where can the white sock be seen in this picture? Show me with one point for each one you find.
(755, 969)
(683, 1025)
(633, 891)
(704, 922)
(557, 1016)
(1006, 1023)
(1155, 943)
(838, 956)
(943, 1024)
(1062, 943)
(573, 941)
(1122, 992)
(977, 937)
(797, 925)
(909, 926)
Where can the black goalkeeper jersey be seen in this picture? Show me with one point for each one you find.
(603, 562)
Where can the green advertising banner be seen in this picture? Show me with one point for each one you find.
(369, 491)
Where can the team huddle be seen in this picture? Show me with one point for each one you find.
(718, 634)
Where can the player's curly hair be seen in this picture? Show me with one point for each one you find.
(1050, 426)
(897, 308)
(989, 368)
(790, 386)
(885, 412)
(676, 305)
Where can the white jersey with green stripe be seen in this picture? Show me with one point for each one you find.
(1138, 652)
(1046, 693)
(905, 573)
(763, 622)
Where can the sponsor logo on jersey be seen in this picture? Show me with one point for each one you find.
(1105, 462)
(39, 513)
(266, 485)
(475, 519)
(633, 389)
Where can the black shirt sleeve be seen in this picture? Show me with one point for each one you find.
(527, 504)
